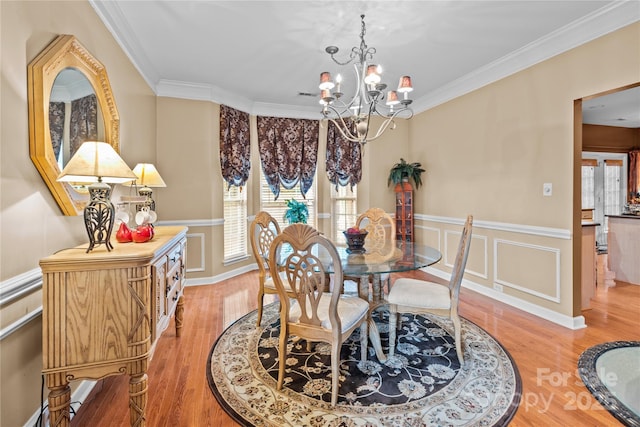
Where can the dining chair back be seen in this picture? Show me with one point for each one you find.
(264, 229)
(421, 297)
(313, 314)
(381, 234)
(380, 226)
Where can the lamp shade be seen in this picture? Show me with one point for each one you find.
(96, 161)
(148, 176)
(405, 84)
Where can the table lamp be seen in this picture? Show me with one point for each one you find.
(148, 176)
(99, 164)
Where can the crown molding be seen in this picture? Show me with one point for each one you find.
(614, 16)
(111, 15)
(597, 24)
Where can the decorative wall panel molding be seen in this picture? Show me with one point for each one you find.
(529, 265)
(556, 233)
(474, 239)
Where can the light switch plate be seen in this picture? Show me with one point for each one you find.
(547, 189)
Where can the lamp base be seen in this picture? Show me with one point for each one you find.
(148, 193)
(99, 216)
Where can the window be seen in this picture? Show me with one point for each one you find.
(588, 183)
(235, 223)
(604, 186)
(343, 211)
(277, 208)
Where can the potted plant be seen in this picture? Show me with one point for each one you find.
(406, 171)
(296, 212)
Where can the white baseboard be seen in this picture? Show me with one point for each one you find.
(542, 312)
(220, 277)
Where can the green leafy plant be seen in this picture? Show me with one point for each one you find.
(296, 212)
(412, 171)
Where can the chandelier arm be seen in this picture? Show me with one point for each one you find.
(388, 121)
(344, 131)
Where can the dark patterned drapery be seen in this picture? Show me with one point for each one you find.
(84, 122)
(344, 159)
(288, 152)
(235, 146)
(634, 171)
(56, 126)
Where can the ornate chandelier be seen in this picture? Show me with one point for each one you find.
(353, 117)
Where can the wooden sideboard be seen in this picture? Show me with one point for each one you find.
(103, 312)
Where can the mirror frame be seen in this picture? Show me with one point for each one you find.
(64, 52)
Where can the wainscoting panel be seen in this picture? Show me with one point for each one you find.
(430, 236)
(526, 267)
(195, 252)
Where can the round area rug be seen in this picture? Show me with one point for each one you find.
(421, 385)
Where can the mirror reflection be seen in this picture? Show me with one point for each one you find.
(74, 115)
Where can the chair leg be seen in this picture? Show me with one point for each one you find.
(393, 323)
(284, 336)
(364, 340)
(458, 337)
(335, 371)
(260, 302)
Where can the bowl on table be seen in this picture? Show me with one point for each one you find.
(355, 241)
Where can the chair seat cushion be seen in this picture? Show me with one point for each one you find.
(269, 284)
(419, 293)
(350, 310)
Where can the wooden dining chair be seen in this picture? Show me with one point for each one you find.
(381, 231)
(312, 314)
(264, 229)
(419, 296)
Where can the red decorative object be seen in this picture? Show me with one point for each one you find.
(142, 234)
(123, 235)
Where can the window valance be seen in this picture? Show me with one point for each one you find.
(288, 152)
(235, 146)
(344, 159)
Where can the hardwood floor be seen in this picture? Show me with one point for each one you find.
(546, 355)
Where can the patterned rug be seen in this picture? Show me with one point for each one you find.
(421, 385)
(611, 372)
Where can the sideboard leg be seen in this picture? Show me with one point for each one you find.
(137, 400)
(179, 314)
(59, 400)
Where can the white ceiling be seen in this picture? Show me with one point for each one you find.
(259, 56)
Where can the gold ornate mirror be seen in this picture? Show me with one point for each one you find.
(70, 101)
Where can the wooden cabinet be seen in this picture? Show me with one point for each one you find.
(103, 312)
(404, 212)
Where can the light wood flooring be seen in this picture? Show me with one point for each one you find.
(545, 353)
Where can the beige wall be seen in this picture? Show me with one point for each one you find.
(486, 153)
(31, 224)
(489, 153)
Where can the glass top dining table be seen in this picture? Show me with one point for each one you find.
(393, 257)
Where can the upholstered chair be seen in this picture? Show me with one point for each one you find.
(313, 314)
(420, 297)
